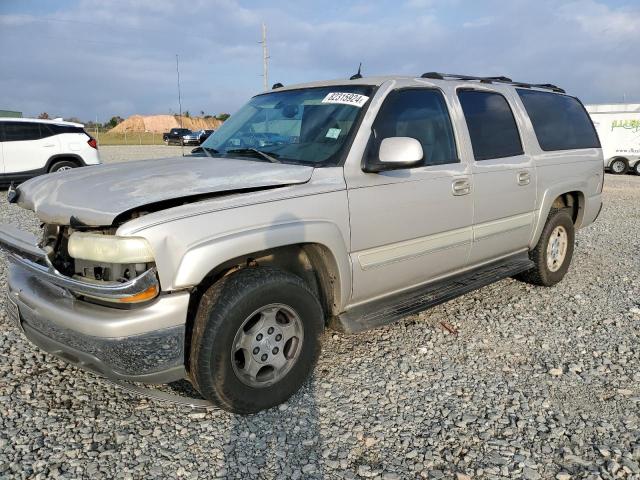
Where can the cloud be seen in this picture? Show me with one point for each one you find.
(107, 58)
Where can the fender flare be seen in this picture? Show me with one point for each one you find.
(205, 256)
(548, 197)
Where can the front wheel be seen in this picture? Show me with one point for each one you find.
(619, 166)
(256, 338)
(553, 252)
(636, 168)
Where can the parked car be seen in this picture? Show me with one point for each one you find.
(175, 136)
(30, 147)
(192, 138)
(389, 195)
(205, 134)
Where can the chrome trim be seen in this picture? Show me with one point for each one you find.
(22, 250)
(114, 290)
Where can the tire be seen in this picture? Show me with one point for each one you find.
(62, 165)
(228, 315)
(619, 166)
(543, 273)
(636, 168)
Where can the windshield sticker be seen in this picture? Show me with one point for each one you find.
(333, 133)
(353, 99)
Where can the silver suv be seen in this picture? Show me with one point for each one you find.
(347, 203)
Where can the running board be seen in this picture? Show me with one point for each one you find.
(390, 309)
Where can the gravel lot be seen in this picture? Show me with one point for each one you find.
(537, 383)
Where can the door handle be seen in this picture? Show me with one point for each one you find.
(524, 178)
(48, 145)
(461, 187)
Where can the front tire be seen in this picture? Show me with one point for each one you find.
(619, 166)
(553, 252)
(636, 168)
(256, 338)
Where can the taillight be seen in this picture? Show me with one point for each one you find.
(93, 143)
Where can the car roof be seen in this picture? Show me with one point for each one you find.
(38, 120)
(431, 77)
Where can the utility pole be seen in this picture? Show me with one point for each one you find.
(265, 58)
(179, 102)
(179, 99)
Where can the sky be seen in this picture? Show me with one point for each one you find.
(95, 59)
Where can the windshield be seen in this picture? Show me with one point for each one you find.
(309, 126)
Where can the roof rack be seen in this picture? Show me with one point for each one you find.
(499, 79)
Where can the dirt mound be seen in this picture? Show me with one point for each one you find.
(163, 123)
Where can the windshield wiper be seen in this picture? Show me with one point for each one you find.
(255, 151)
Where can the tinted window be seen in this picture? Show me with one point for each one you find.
(17, 131)
(58, 129)
(560, 122)
(46, 130)
(491, 125)
(421, 114)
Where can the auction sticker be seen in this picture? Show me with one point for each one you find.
(353, 99)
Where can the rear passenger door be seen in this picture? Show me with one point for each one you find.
(27, 146)
(504, 177)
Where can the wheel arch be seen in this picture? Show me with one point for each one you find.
(314, 263)
(71, 157)
(316, 245)
(560, 197)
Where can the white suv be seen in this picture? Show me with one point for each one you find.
(30, 147)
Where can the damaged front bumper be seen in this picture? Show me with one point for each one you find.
(143, 344)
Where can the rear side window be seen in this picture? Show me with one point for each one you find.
(421, 114)
(560, 121)
(492, 128)
(20, 131)
(58, 129)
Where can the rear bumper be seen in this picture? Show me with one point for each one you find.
(144, 344)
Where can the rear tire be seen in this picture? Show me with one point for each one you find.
(619, 166)
(553, 252)
(636, 168)
(256, 339)
(62, 165)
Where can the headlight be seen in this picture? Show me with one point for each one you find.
(109, 248)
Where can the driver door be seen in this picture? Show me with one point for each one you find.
(412, 225)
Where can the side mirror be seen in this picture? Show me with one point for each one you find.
(396, 153)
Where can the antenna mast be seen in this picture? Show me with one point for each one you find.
(265, 58)
(179, 98)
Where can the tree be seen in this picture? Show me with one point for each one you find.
(186, 114)
(223, 116)
(114, 121)
(44, 116)
(202, 113)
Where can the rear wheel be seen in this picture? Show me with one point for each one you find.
(256, 338)
(619, 166)
(553, 252)
(636, 168)
(62, 165)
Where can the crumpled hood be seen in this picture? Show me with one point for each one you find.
(95, 196)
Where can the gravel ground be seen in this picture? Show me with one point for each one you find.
(536, 383)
